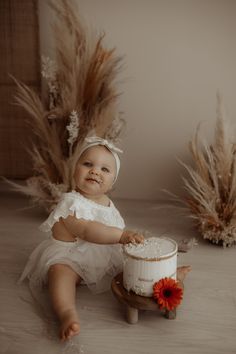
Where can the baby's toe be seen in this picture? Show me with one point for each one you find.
(72, 330)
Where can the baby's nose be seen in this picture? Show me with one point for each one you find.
(94, 171)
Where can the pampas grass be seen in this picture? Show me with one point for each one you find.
(81, 83)
(211, 187)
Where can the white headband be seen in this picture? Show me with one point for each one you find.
(96, 140)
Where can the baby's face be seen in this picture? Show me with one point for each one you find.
(95, 171)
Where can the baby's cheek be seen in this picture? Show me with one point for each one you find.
(107, 185)
(112, 179)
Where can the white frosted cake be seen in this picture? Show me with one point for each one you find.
(147, 263)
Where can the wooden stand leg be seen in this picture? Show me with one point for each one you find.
(171, 315)
(131, 315)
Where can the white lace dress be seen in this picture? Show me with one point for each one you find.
(97, 264)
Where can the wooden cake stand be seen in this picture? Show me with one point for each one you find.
(135, 302)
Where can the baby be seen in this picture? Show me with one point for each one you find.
(87, 231)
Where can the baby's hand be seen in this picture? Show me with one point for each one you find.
(131, 236)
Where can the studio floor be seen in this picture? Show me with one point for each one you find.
(205, 322)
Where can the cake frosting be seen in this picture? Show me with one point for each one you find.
(147, 263)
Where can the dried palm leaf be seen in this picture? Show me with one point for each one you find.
(211, 187)
(81, 97)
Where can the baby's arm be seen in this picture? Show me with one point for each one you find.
(96, 232)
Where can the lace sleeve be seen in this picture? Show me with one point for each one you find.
(68, 205)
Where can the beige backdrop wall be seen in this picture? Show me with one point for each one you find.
(177, 54)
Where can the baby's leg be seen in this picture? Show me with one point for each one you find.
(62, 282)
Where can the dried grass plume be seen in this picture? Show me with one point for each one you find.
(81, 98)
(211, 186)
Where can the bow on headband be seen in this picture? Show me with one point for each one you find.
(96, 140)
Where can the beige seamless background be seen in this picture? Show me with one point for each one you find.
(177, 54)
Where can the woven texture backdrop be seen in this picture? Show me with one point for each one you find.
(19, 48)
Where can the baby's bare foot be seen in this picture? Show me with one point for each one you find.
(70, 326)
(182, 272)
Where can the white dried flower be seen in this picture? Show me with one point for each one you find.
(49, 69)
(73, 128)
(49, 72)
(115, 129)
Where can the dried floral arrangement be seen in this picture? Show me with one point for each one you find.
(81, 101)
(211, 189)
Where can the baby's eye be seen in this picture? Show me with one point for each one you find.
(87, 163)
(105, 169)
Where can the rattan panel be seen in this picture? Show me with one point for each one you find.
(19, 47)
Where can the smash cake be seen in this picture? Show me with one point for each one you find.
(147, 263)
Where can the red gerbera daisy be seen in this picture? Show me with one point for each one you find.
(168, 293)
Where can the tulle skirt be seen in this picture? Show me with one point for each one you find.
(96, 264)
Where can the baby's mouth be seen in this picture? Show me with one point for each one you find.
(93, 180)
